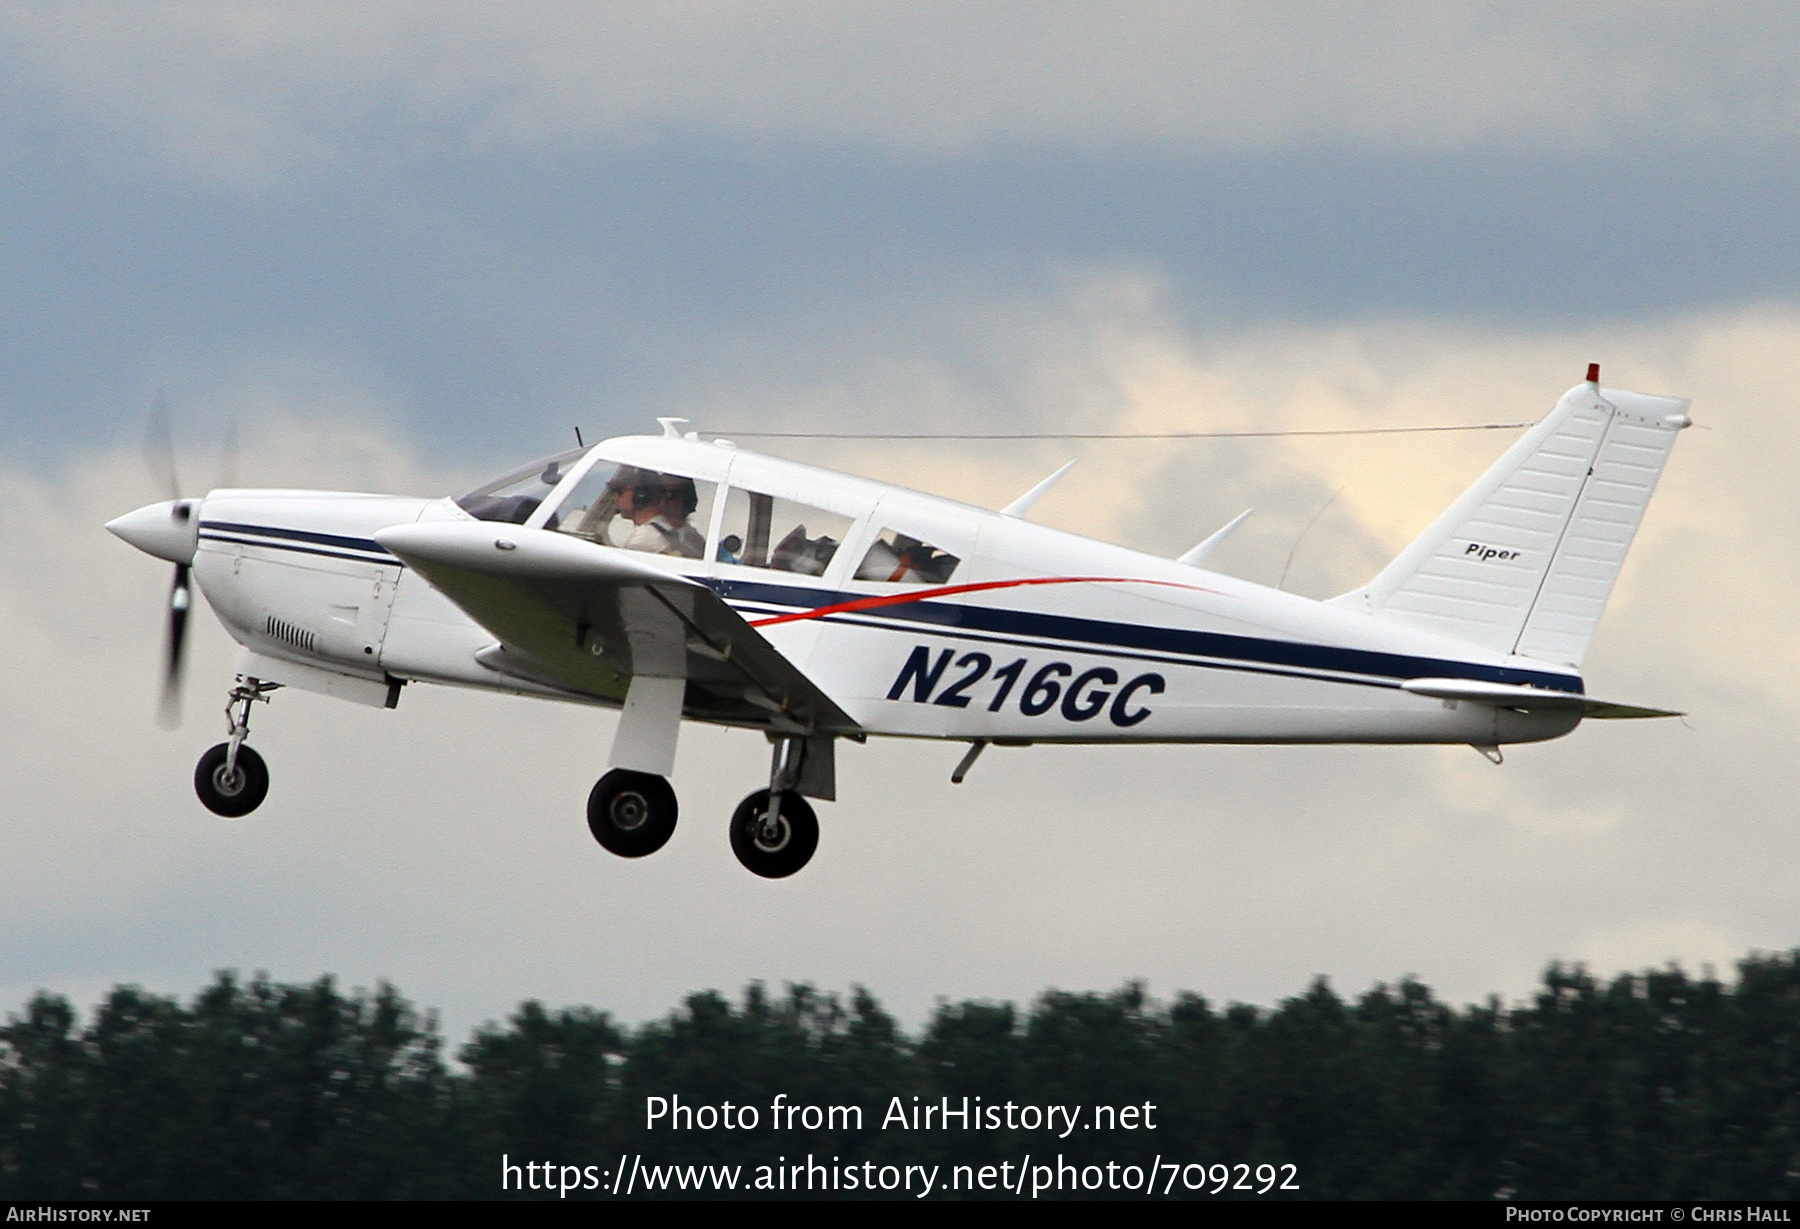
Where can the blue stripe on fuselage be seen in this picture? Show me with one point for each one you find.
(218, 530)
(956, 616)
(1181, 641)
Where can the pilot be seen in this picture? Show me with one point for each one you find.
(658, 507)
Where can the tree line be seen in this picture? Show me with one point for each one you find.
(1651, 1085)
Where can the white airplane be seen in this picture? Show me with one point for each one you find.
(675, 577)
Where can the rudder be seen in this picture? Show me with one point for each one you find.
(1524, 561)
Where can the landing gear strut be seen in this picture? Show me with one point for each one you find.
(231, 779)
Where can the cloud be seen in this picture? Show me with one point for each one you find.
(246, 92)
(442, 845)
(392, 318)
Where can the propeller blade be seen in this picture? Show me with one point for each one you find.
(228, 456)
(159, 447)
(175, 648)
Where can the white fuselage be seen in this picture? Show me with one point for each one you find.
(1039, 636)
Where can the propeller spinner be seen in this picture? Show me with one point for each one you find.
(170, 530)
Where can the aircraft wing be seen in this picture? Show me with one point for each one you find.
(584, 619)
(1512, 695)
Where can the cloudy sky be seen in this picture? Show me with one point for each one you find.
(402, 246)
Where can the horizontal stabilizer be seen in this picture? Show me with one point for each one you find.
(1539, 699)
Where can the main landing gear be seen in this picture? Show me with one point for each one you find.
(773, 832)
(631, 813)
(774, 838)
(231, 778)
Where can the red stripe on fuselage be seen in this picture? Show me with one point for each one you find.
(898, 599)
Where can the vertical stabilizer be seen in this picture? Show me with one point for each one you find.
(1524, 561)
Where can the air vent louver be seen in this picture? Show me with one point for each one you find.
(289, 634)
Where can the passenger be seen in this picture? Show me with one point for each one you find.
(879, 563)
(803, 555)
(911, 559)
(815, 556)
(788, 551)
(930, 564)
(906, 561)
(658, 506)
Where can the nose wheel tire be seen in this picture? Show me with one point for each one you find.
(631, 813)
(233, 793)
(774, 849)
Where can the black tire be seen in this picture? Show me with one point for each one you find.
(237, 795)
(631, 813)
(791, 847)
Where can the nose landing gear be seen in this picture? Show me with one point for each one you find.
(231, 787)
(231, 779)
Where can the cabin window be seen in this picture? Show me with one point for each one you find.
(765, 531)
(513, 497)
(897, 558)
(638, 509)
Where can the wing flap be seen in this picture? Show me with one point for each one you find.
(588, 618)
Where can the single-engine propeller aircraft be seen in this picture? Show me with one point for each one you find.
(674, 577)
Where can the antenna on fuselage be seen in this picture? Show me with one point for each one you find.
(1022, 505)
(1197, 556)
(579, 442)
(1296, 547)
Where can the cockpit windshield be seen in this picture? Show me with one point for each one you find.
(514, 496)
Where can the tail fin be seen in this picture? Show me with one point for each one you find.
(1524, 561)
